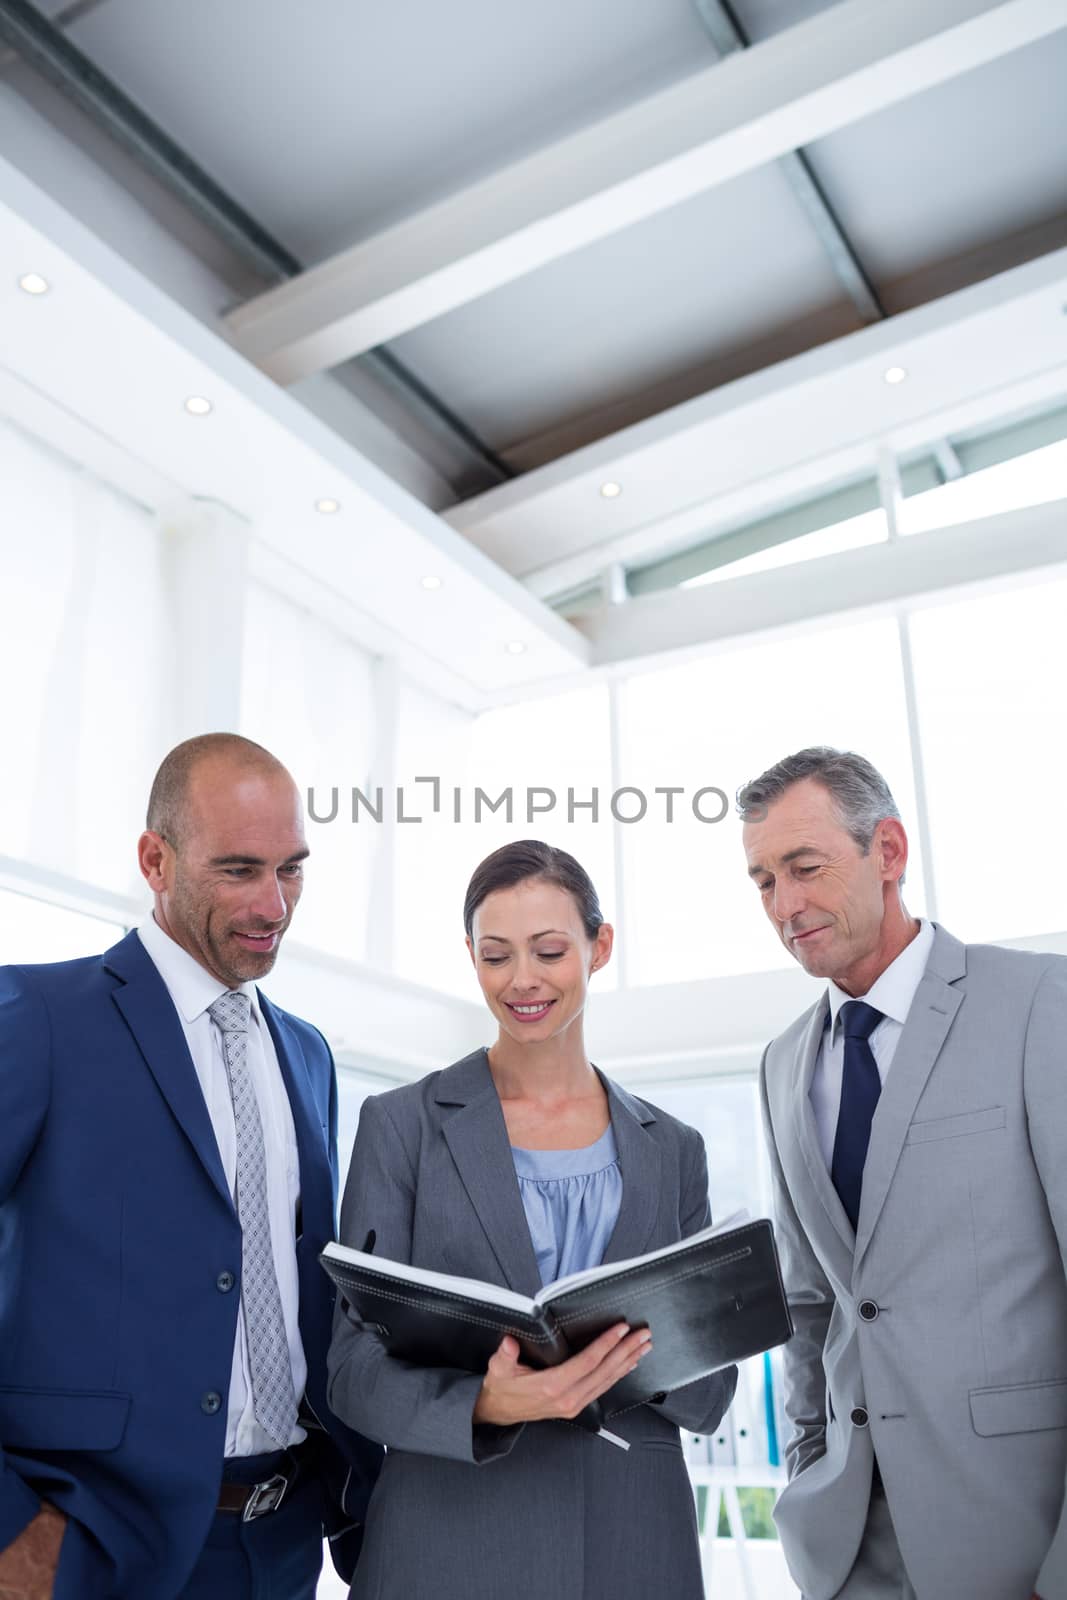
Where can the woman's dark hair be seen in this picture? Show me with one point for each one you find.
(530, 858)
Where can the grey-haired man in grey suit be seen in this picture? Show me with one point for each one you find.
(917, 1122)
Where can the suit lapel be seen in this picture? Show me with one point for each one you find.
(477, 1138)
(152, 1019)
(316, 1196)
(806, 1132)
(640, 1163)
(929, 1020)
(312, 1136)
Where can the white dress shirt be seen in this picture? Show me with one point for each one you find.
(892, 994)
(193, 989)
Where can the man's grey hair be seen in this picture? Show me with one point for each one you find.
(860, 793)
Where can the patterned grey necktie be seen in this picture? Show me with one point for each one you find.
(273, 1398)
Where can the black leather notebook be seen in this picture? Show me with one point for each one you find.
(710, 1300)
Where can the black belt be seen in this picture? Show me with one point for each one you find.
(253, 1486)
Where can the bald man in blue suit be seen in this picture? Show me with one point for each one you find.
(167, 1179)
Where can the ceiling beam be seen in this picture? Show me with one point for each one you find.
(727, 36)
(783, 435)
(926, 569)
(739, 114)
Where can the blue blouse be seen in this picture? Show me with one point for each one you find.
(571, 1199)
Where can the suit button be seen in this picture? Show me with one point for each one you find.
(859, 1417)
(226, 1280)
(210, 1402)
(868, 1310)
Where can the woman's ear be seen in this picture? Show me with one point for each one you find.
(602, 946)
(474, 958)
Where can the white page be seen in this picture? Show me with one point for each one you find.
(474, 1288)
(507, 1299)
(575, 1280)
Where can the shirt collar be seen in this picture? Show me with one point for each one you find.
(893, 991)
(192, 987)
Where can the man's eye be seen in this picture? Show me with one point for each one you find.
(763, 887)
(296, 870)
(802, 872)
(237, 872)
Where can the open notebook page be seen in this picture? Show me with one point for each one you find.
(494, 1294)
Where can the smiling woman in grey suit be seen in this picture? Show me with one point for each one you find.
(517, 1165)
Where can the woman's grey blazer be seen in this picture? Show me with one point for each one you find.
(545, 1510)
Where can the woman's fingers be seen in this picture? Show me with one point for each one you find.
(598, 1368)
(623, 1359)
(513, 1392)
(602, 1347)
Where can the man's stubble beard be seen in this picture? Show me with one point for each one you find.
(195, 924)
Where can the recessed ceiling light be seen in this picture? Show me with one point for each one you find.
(895, 374)
(516, 647)
(327, 507)
(198, 405)
(611, 490)
(430, 582)
(33, 283)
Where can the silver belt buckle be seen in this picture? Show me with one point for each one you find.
(265, 1497)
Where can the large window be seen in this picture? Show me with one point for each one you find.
(307, 695)
(990, 675)
(691, 910)
(84, 658)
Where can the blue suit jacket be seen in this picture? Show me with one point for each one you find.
(116, 1232)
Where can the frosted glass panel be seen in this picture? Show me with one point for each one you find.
(307, 695)
(433, 858)
(85, 640)
(990, 676)
(691, 910)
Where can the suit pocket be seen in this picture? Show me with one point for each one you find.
(1019, 1408)
(955, 1127)
(62, 1419)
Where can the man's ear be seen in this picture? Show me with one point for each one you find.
(891, 843)
(151, 850)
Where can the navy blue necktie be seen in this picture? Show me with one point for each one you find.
(860, 1088)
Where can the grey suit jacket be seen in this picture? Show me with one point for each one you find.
(935, 1337)
(543, 1511)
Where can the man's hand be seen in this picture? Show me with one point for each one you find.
(28, 1567)
(514, 1393)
